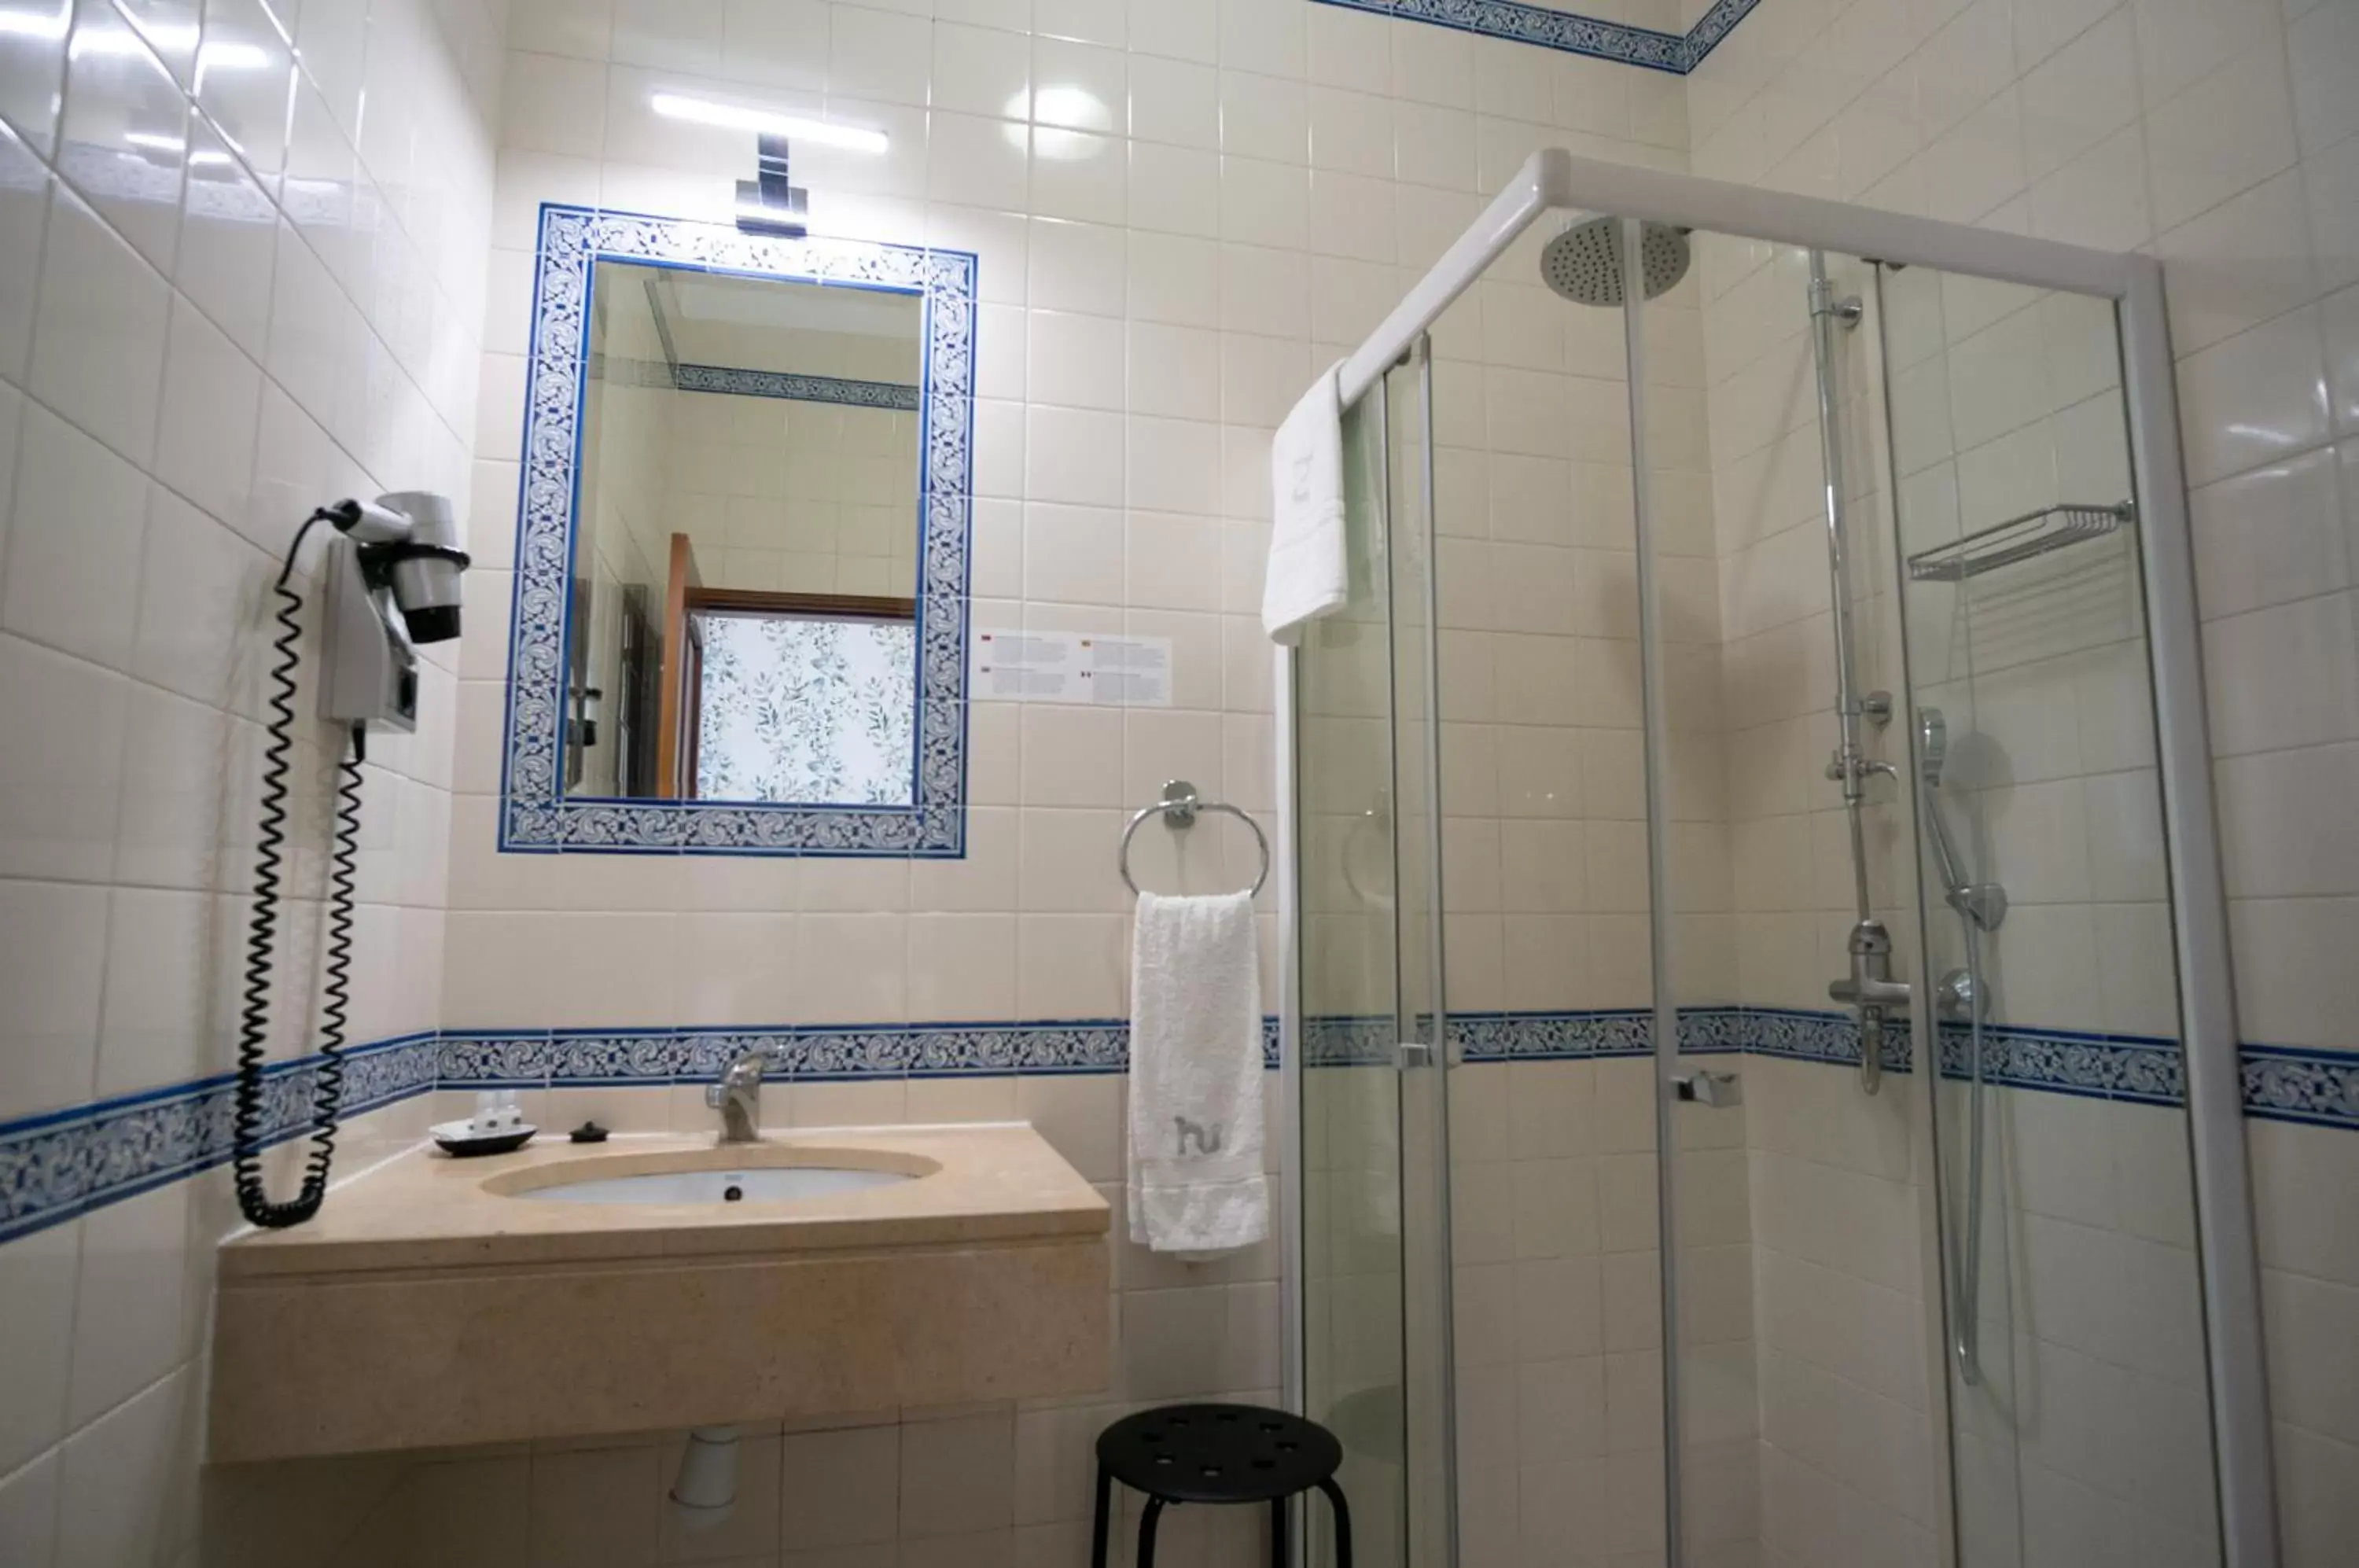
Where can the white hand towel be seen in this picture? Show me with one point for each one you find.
(1310, 575)
(1196, 1181)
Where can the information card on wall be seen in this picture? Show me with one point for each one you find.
(1072, 667)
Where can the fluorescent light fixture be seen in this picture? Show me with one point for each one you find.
(763, 121)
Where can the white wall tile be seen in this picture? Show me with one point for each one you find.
(128, 1303)
(29, 1507)
(2256, 398)
(2323, 46)
(2227, 133)
(98, 340)
(2252, 661)
(2270, 536)
(61, 796)
(2280, 836)
(119, 1500)
(2239, 264)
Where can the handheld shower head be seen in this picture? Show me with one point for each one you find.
(1584, 262)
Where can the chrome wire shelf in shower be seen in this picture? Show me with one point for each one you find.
(2018, 539)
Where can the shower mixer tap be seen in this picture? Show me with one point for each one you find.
(1871, 990)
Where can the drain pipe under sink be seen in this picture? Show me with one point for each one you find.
(705, 1490)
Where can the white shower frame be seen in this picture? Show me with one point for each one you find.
(1553, 179)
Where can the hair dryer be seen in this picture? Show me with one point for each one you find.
(393, 584)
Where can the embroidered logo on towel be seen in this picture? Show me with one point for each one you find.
(1301, 479)
(1208, 1139)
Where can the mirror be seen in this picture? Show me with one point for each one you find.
(742, 560)
(745, 601)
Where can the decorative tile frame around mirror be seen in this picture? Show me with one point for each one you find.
(536, 816)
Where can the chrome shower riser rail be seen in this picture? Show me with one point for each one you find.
(1869, 989)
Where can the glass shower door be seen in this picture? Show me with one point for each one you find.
(2078, 1390)
(1375, 1242)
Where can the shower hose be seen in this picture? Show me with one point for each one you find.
(249, 1122)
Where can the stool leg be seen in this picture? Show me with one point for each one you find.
(1278, 1533)
(1146, 1522)
(1342, 1523)
(1106, 1508)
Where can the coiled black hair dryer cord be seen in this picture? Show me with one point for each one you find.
(248, 1122)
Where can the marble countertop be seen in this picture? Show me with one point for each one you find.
(975, 1183)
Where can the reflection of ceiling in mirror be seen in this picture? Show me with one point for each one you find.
(759, 324)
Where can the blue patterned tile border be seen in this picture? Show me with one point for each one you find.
(1349, 1041)
(60, 1164)
(1629, 1031)
(1832, 1038)
(1547, 27)
(65, 1164)
(2295, 1084)
(2143, 1069)
(626, 1058)
(792, 386)
(796, 387)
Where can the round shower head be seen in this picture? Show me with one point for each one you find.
(1584, 262)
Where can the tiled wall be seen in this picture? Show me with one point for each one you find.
(1543, 788)
(1848, 1467)
(245, 258)
(1204, 204)
(1546, 902)
(2001, 401)
(1214, 199)
(2219, 135)
(1849, 1472)
(1559, 1318)
(834, 515)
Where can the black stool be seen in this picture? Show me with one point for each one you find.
(1218, 1454)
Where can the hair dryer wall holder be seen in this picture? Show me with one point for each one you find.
(393, 584)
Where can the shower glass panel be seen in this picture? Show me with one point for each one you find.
(1375, 1236)
(2075, 1351)
(1838, 1290)
(1717, 1293)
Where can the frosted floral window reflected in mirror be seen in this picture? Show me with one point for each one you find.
(794, 705)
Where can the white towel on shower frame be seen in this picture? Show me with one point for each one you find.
(1309, 570)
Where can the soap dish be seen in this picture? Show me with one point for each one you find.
(460, 1138)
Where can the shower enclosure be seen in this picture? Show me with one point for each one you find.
(1757, 1018)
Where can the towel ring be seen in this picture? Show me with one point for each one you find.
(1177, 809)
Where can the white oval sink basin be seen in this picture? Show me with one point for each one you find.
(774, 1184)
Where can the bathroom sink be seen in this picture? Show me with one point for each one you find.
(857, 1269)
(729, 1173)
(755, 1186)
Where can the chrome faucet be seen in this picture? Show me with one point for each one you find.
(738, 1097)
